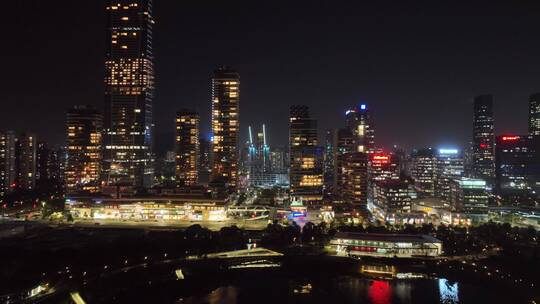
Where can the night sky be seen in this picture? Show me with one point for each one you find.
(417, 66)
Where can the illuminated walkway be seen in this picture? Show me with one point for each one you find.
(246, 253)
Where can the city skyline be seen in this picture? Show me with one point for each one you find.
(157, 151)
(397, 85)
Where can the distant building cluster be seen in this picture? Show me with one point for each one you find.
(110, 153)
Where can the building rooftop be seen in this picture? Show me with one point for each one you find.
(387, 237)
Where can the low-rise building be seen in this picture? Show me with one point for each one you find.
(385, 245)
(166, 208)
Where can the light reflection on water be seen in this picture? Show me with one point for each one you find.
(356, 290)
(448, 292)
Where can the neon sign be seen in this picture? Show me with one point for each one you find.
(380, 159)
(510, 138)
(448, 151)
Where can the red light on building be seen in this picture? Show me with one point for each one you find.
(510, 138)
(380, 158)
(483, 146)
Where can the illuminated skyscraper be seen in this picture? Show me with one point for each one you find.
(343, 143)
(449, 166)
(517, 159)
(306, 158)
(225, 125)
(356, 179)
(84, 126)
(8, 172)
(26, 161)
(3, 171)
(534, 114)
(259, 160)
(423, 168)
(360, 122)
(129, 93)
(187, 147)
(483, 138)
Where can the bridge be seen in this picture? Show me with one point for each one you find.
(236, 254)
(258, 212)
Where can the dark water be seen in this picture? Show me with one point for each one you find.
(299, 281)
(346, 289)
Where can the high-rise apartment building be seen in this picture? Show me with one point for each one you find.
(278, 160)
(129, 94)
(483, 165)
(84, 126)
(360, 122)
(306, 157)
(26, 157)
(343, 143)
(356, 180)
(205, 163)
(225, 126)
(8, 172)
(187, 147)
(534, 114)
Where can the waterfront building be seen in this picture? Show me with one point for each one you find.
(385, 245)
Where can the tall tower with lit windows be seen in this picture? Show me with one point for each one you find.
(187, 147)
(225, 126)
(306, 157)
(483, 138)
(129, 94)
(359, 121)
(84, 154)
(534, 114)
